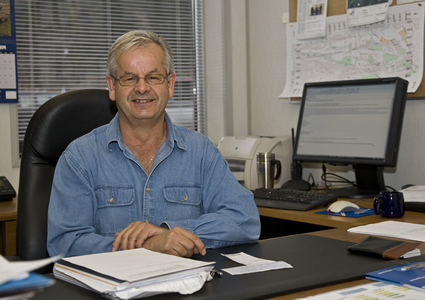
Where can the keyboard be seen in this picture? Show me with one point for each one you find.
(291, 199)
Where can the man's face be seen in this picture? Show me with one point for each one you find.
(142, 101)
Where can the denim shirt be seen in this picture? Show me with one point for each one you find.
(99, 188)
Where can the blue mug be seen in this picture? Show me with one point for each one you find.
(389, 204)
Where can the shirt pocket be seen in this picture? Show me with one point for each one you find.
(183, 202)
(115, 209)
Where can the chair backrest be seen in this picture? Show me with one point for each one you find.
(54, 125)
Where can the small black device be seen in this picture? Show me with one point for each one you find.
(296, 182)
(7, 192)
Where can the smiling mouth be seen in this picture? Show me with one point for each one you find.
(142, 101)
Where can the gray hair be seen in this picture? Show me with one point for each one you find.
(134, 39)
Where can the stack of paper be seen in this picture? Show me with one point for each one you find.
(396, 229)
(16, 282)
(414, 193)
(134, 273)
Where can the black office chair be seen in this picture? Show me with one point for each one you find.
(54, 125)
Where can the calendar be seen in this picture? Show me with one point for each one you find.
(7, 71)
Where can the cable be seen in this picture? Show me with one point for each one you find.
(326, 181)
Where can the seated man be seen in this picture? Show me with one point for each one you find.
(141, 181)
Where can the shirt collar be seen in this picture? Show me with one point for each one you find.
(113, 134)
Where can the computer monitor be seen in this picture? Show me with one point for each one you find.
(354, 122)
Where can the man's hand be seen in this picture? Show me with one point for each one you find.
(134, 235)
(176, 241)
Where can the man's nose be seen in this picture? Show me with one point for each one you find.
(142, 86)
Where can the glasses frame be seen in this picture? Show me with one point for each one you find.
(166, 77)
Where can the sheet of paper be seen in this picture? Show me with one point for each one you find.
(246, 259)
(15, 269)
(311, 19)
(414, 193)
(375, 291)
(368, 13)
(253, 264)
(257, 268)
(413, 253)
(395, 229)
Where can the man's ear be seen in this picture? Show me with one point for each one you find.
(171, 82)
(111, 87)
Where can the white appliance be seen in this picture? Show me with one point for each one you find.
(241, 154)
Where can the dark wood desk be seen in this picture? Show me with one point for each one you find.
(8, 211)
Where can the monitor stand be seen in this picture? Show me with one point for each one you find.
(353, 193)
(369, 180)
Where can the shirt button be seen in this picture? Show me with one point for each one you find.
(148, 221)
(148, 190)
(111, 200)
(185, 198)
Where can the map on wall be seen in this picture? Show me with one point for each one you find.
(393, 48)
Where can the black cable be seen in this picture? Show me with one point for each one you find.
(326, 181)
(391, 188)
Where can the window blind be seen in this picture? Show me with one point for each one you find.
(62, 45)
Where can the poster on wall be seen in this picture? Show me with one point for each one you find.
(393, 48)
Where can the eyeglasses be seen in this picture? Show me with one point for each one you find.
(132, 80)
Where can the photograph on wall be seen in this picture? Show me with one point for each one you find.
(5, 21)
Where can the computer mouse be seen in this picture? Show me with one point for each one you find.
(342, 206)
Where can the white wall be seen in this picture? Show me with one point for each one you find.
(9, 161)
(226, 66)
(272, 116)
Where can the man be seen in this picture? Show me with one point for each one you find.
(141, 181)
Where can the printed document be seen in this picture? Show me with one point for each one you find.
(396, 229)
(253, 264)
(375, 291)
(20, 269)
(366, 12)
(311, 18)
(134, 273)
(414, 193)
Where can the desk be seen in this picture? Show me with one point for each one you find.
(312, 255)
(311, 217)
(340, 234)
(8, 210)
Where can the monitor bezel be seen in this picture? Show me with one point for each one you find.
(394, 133)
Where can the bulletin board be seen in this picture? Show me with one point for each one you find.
(338, 7)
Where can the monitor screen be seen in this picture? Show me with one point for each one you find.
(355, 122)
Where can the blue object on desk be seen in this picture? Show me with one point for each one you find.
(33, 282)
(352, 214)
(411, 275)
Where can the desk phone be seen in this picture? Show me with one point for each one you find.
(7, 192)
